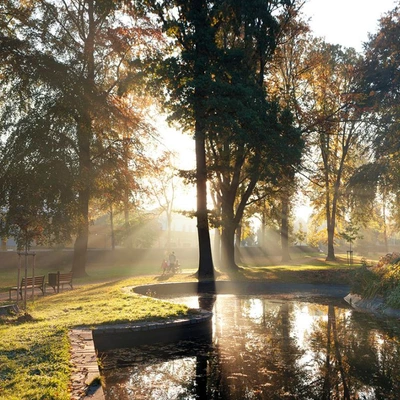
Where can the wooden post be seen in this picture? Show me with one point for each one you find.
(33, 273)
(26, 255)
(18, 277)
(26, 278)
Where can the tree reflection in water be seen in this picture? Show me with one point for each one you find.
(266, 349)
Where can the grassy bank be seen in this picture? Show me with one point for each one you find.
(380, 280)
(34, 349)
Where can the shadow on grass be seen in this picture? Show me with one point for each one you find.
(163, 278)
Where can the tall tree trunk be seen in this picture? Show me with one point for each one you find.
(330, 227)
(228, 249)
(81, 241)
(112, 228)
(217, 234)
(331, 209)
(285, 226)
(231, 221)
(217, 248)
(84, 132)
(206, 267)
(229, 227)
(237, 242)
(331, 247)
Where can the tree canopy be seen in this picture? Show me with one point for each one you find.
(65, 109)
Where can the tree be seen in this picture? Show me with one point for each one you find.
(187, 76)
(339, 129)
(215, 90)
(350, 234)
(300, 235)
(286, 82)
(381, 88)
(381, 72)
(250, 139)
(162, 188)
(65, 73)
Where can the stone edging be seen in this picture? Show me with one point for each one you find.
(201, 316)
(375, 306)
(109, 337)
(85, 380)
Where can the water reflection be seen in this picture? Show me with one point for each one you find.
(266, 349)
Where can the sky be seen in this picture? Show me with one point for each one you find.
(346, 22)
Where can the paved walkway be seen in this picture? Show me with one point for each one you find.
(85, 379)
(4, 296)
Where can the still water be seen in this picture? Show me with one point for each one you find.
(263, 348)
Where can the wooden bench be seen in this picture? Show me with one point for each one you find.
(36, 282)
(60, 279)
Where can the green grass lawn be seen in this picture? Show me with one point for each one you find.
(308, 269)
(34, 351)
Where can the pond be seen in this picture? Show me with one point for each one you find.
(265, 348)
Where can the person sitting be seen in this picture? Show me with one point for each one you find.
(172, 258)
(171, 262)
(177, 267)
(164, 266)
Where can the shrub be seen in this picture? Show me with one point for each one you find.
(389, 258)
(380, 280)
(366, 283)
(393, 298)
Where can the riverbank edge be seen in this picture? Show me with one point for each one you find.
(375, 306)
(86, 377)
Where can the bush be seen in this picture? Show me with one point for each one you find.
(366, 283)
(393, 298)
(389, 258)
(380, 280)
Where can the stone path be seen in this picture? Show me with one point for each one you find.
(85, 379)
(375, 306)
